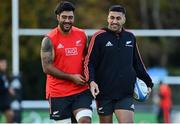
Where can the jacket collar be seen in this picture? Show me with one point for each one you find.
(116, 33)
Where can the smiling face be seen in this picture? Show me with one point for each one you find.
(116, 21)
(66, 20)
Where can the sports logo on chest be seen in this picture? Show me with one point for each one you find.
(129, 43)
(71, 51)
(60, 46)
(78, 43)
(109, 44)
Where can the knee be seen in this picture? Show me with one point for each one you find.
(84, 120)
(9, 116)
(84, 116)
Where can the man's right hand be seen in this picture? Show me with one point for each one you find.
(78, 79)
(12, 91)
(94, 89)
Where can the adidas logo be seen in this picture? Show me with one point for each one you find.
(60, 46)
(109, 43)
(132, 106)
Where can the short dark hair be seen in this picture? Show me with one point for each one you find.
(117, 8)
(64, 6)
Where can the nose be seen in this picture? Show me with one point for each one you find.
(114, 20)
(67, 20)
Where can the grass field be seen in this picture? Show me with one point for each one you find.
(41, 116)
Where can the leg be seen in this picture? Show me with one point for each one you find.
(160, 115)
(82, 107)
(83, 115)
(9, 116)
(124, 110)
(105, 110)
(124, 116)
(73, 119)
(60, 109)
(6, 107)
(166, 114)
(106, 118)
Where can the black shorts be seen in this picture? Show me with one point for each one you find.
(62, 107)
(5, 102)
(107, 107)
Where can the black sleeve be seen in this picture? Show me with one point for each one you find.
(3, 88)
(140, 68)
(93, 59)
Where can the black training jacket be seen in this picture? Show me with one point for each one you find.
(113, 62)
(3, 84)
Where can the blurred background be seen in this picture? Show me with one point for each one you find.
(160, 53)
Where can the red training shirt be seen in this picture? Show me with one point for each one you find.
(69, 58)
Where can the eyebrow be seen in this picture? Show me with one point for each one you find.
(67, 15)
(114, 16)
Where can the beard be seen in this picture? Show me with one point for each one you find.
(65, 27)
(115, 27)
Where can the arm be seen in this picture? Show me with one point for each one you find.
(91, 63)
(47, 57)
(86, 45)
(140, 68)
(92, 59)
(2, 85)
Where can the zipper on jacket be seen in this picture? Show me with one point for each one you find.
(117, 36)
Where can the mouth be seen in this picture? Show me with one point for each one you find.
(115, 25)
(67, 26)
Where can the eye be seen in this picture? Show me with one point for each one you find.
(64, 17)
(70, 17)
(118, 18)
(112, 17)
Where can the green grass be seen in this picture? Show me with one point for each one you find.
(144, 117)
(42, 116)
(140, 117)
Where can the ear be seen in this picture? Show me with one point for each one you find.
(58, 17)
(124, 20)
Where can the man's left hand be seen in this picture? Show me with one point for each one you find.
(149, 92)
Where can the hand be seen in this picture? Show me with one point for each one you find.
(149, 92)
(12, 92)
(94, 89)
(78, 79)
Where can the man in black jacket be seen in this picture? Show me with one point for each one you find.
(5, 92)
(111, 67)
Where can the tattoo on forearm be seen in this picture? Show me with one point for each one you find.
(46, 51)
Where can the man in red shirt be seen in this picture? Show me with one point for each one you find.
(165, 103)
(62, 56)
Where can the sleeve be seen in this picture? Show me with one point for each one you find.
(92, 58)
(85, 37)
(140, 68)
(3, 84)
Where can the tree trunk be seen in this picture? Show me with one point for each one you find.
(144, 14)
(158, 25)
